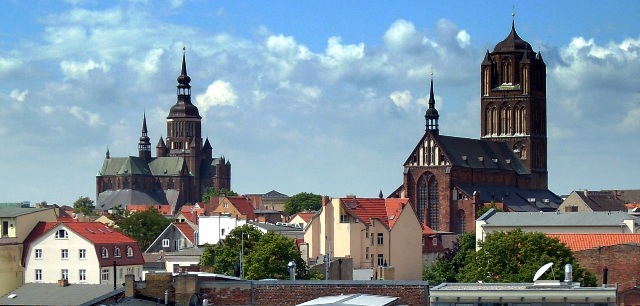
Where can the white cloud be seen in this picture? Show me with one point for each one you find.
(19, 95)
(46, 109)
(79, 70)
(8, 65)
(218, 93)
(464, 39)
(401, 99)
(89, 118)
(631, 122)
(339, 54)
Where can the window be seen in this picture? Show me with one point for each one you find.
(222, 232)
(129, 251)
(225, 205)
(38, 275)
(38, 253)
(380, 238)
(366, 252)
(62, 234)
(366, 232)
(105, 252)
(65, 253)
(434, 206)
(105, 274)
(129, 270)
(116, 252)
(435, 241)
(380, 259)
(371, 239)
(165, 243)
(64, 274)
(120, 274)
(460, 222)
(82, 253)
(344, 218)
(83, 275)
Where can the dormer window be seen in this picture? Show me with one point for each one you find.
(105, 252)
(62, 234)
(129, 251)
(116, 252)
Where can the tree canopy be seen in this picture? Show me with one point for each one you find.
(301, 202)
(142, 226)
(265, 255)
(506, 257)
(215, 192)
(446, 268)
(83, 205)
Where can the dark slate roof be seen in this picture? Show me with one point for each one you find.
(208, 167)
(627, 196)
(274, 194)
(166, 166)
(113, 198)
(518, 200)
(513, 42)
(479, 153)
(601, 201)
(51, 294)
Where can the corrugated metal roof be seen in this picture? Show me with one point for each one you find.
(352, 300)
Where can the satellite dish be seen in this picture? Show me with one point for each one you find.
(542, 270)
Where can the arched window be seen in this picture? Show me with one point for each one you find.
(486, 86)
(520, 150)
(434, 205)
(129, 251)
(422, 198)
(505, 119)
(105, 252)
(525, 80)
(116, 252)
(506, 71)
(460, 222)
(491, 117)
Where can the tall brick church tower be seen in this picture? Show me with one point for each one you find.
(514, 103)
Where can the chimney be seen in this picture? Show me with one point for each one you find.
(568, 273)
(325, 201)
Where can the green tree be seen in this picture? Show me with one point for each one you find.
(83, 205)
(515, 256)
(142, 226)
(215, 192)
(208, 257)
(447, 266)
(271, 255)
(301, 202)
(486, 208)
(227, 253)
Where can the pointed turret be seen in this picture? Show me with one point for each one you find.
(432, 116)
(107, 155)
(161, 148)
(380, 195)
(513, 42)
(144, 146)
(207, 149)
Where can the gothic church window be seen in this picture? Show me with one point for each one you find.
(505, 118)
(460, 222)
(422, 198)
(506, 71)
(434, 205)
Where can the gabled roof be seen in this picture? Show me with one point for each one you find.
(600, 200)
(479, 154)
(304, 215)
(368, 209)
(131, 165)
(579, 242)
(186, 229)
(243, 206)
(96, 233)
(274, 194)
(167, 166)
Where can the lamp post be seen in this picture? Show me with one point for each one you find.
(114, 274)
(241, 254)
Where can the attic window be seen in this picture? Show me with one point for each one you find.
(105, 252)
(117, 253)
(129, 251)
(62, 234)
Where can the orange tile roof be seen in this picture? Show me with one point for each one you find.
(579, 242)
(163, 209)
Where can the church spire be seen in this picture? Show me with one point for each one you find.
(431, 116)
(144, 146)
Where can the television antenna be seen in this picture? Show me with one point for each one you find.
(542, 270)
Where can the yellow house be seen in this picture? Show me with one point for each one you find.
(383, 237)
(15, 226)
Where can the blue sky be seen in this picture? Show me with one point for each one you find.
(318, 96)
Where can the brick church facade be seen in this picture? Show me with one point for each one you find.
(448, 179)
(183, 168)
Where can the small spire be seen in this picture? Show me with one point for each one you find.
(107, 155)
(144, 123)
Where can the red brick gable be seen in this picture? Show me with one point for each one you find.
(579, 242)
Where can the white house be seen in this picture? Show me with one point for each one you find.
(79, 252)
(212, 229)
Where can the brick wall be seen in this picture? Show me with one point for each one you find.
(622, 269)
(220, 292)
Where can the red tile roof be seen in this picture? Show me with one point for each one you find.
(163, 209)
(579, 242)
(244, 207)
(304, 215)
(187, 230)
(367, 209)
(98, 234)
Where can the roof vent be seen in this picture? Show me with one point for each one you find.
(495, 160)
(480, 158)
(464, 157)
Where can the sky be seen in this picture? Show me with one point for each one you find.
(325, 97)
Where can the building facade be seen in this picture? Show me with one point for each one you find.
(183, 168)
(448, 179)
